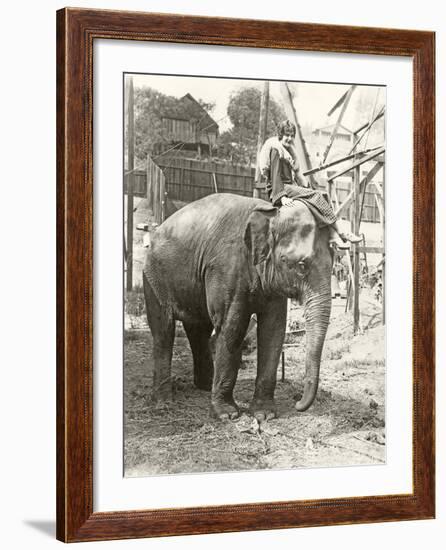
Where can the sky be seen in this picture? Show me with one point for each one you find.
(312, 100)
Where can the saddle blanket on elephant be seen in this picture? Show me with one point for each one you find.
(317, 202)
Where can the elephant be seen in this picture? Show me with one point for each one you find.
(216, 262)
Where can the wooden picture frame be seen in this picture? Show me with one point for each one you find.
(77, 29)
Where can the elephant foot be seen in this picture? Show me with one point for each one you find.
(223, 410)
(163, 392)
(263, 409)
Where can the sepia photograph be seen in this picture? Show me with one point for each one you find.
(254, 274)
(245, 275)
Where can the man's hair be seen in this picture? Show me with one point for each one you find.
(286, 127)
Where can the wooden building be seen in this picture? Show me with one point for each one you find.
(187, 123)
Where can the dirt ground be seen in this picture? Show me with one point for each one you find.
(344, 426)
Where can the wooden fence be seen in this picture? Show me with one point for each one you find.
(156, 190)
(139, 183)
(187, 180)
(370, 212)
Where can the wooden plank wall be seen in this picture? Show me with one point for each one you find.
(188, 179)
(139, 183)
(370, 211)
(155, 189)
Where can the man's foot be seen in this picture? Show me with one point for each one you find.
(337, 242)
(351, 237)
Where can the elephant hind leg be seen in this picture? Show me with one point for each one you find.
(198, 335)
(162, 326)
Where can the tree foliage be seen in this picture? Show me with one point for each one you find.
(239, 143)
(150, 106)
(208, 106)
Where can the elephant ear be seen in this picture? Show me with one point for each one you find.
(257, 232)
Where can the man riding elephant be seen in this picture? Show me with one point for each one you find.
(279, 166)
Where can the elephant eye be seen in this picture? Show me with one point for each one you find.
(302, 267)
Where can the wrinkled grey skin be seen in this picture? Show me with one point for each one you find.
(212, 265)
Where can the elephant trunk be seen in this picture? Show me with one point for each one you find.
(317, 317)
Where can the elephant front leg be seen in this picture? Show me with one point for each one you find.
(228, 355)
(227, 362)
(271, 324)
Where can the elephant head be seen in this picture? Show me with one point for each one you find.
(293, 259)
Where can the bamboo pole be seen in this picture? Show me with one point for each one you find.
(340, 160)
(366, 131)
(362, 160)
(338, 122)
(299, 143)
(263, 124)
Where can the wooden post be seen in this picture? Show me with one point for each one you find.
(210, 145)
(214, 180)
(351, 282)
(383, 202)
(263, 124)
(163, 202)
(365, 181)
(356, 265)
(130, 167)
